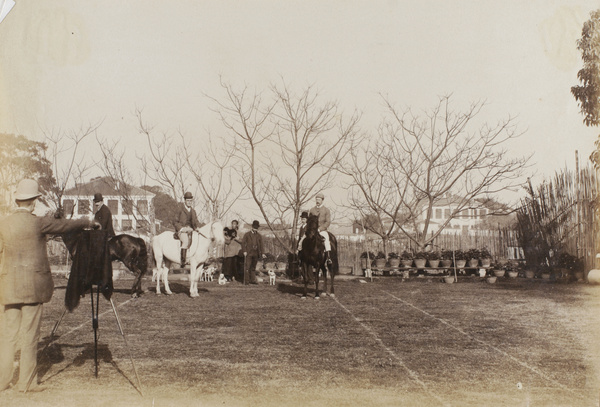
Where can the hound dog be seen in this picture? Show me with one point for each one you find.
(208, 273)
(272, 277)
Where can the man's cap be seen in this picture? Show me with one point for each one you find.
(320, 195)
(98, 197)
(188, 195)
(304, 215)
(27, 189)
(255, 224)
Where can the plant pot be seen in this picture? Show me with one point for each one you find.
(446, 263)
(380, 263)
(473, 263)
(394, 263)
(529, 273)
(593, 276)
(448, 279)
(486, 262)
(434, 263)
(491, 279)
(499, 273)
(460, 264)
(406, 262)
(420, 263)
(513, 274)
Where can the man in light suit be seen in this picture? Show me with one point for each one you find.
(26, 282)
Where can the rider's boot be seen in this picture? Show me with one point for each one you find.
(183, 255)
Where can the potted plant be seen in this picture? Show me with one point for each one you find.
(449, 277)
(434, 259)
(511, 269)
(380, 260)
(446, 258)
(498, 270)
(406, 259)
(473, 256)
(486, 257)
(420, 259)
(365, 259)
(543, 270)
(460, 259)
(394, 259)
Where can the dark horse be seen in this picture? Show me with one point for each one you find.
(312, 257)
(129, 250)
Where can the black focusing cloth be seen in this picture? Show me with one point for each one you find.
(91, 266)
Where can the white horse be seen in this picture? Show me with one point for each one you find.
(167, 250)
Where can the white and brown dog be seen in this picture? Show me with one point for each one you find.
(272, 277)
(222, 280)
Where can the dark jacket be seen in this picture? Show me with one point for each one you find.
(302, 231)
(104, 218)
(184, 217)
(252, 244)
(24, 269)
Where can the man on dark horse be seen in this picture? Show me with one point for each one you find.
(186, 221)
(324, 216)
(103, 215)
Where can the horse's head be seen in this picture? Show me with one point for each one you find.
(312, 226)
(217, 232)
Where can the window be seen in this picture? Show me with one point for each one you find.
(142, 206)
(127, 224)
(142, 224)
(113, 205)
(68, 205)
(464, 213)
(482, 213)
(127, 208)
(438, 213)
(83, 206)
(446, 213)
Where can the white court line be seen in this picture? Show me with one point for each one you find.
(411, 373)
(99, 315)
(514, 359)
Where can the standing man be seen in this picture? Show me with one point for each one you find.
(186, 221)
(26, 282)
(324, 216)
(252, 246)
(103, 215)
(302, 232)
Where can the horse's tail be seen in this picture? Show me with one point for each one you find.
(143, 256)
(335, 264)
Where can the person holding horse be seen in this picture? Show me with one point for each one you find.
(103, 215)
(186, 221)
(252, 246)
(324, 216)
(26, 281)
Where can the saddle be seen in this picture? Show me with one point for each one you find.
(190, 234)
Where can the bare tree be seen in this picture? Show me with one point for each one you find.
(66, 152)
(436, 157)
(288, 149)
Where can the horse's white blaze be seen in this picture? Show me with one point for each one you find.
(167, 250)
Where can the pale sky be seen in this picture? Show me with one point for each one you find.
(67, 63)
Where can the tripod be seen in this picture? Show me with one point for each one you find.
(95, 325)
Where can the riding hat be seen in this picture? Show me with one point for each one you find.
(320, 195)
(98, 197)
(188, 195)
(27, 189)
(255, 224)
(304, 215)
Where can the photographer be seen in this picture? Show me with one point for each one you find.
(25, 281)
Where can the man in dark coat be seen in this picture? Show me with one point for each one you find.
(25, 281)
(103, 215)
(186, 221)
(324, 216)
(252, 246)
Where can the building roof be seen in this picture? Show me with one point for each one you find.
(107, 187)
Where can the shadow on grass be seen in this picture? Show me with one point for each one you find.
(292, 289)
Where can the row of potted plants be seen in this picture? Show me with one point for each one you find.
(444, 258)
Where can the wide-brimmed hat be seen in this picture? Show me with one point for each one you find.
(188, 195)
(255, 224)
(304, 215)
(320, 195)
(27, 189)
(98, 197)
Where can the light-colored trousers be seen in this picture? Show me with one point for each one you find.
(19, 321)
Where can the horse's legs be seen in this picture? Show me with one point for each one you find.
(194, 276)
(136, 288)
(165, 277)
(305, 278)
(317, 284)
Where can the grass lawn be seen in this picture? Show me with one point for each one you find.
(388, 342)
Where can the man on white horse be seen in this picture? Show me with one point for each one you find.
(186, 221)
(324, 216)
